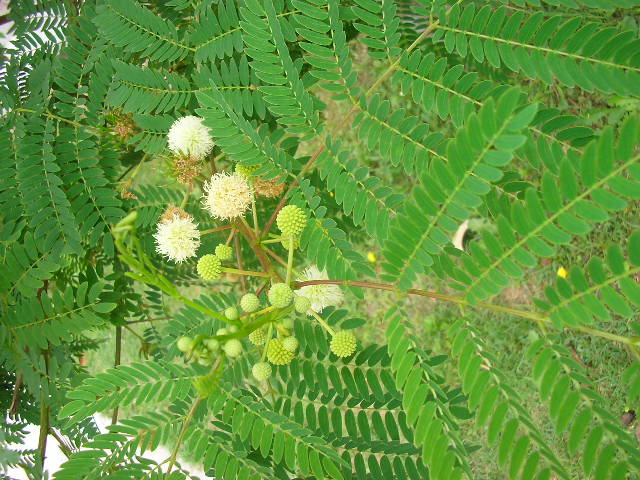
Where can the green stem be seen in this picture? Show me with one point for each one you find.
(136, 170)
(266, 343)
(324, 324)
(289, 261)
(185, 198)
(183, 431)
(142, 274)
(249, 273)
(271, 240)
(47, 113)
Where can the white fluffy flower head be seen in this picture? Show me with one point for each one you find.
(188, 136)
(227, 195)
(320, 296)
(177, 238)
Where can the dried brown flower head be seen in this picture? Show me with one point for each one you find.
(173, 211)
(269, 188)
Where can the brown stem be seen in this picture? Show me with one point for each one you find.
(15, 399)
(274, 255)
(262, 258)
(44, 416)
(64, 448)
(116, 362)
(230, 237)
(216, 229)
(629, 341)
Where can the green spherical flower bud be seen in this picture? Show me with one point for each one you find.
(277, 354)
(232, 329)
(224, 252)
(249, 303)
(290, 344)
(233, 347)
(258, 336)
(302, 304)
(184, 344)
(232, 313)
(212, 344)
(343, 343)
(222, 331)
(261, 371)
(287, 323)
(246, 170)
(280, 295)
(209, 267)
(291, 221)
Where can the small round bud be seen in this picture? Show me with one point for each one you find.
(280, 295)
(209, 267)
(222, 331)
(343, 343)
(249, 303)
(233, 348)
(290, 344)
(204, 361)
(261, 371)
(231, 313)
(232, 329)
(258, 336)
(184, 344)
(301, 304)
(224, 252)
(212, 344)
(277, 354)
(291, 220)
(287, 323)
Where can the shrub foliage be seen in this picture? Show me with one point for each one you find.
(88, 93)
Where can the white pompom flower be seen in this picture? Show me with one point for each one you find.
(227, 195)
(320, 296)
(177, 238)
(188, 136)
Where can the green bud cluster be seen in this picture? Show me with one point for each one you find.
(290, 344)
(261, 371)
(291, 221)
(258, 336)
(249, 303)
(224, 252)
(232, 313)
(301, 304)
(343, 344)
(280, 295)
(209, 267)
(277, 354)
